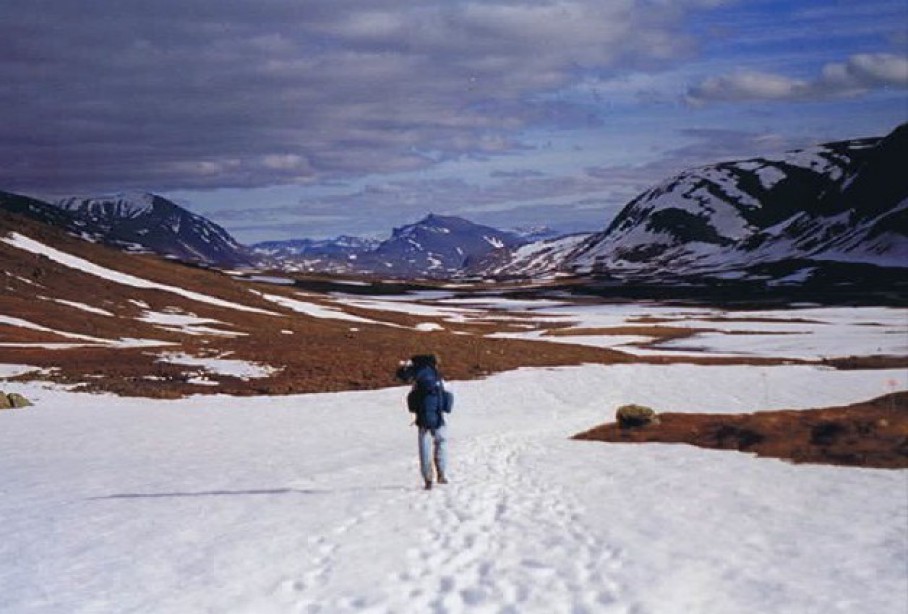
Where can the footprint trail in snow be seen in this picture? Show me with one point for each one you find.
(501, 540)
(497, 539)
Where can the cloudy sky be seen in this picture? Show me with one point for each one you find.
(310, 118)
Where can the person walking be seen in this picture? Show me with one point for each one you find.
(429, 401)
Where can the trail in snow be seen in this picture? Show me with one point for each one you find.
(497, 539)
(479, 537)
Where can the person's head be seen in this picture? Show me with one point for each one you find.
(407, 369)
(424, 360)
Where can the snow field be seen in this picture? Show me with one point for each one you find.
(313, 503)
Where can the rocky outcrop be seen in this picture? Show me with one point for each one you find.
(13, 400)
(633, 416)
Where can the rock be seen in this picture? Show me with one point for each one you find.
(4, 401)
(16, 400)
(633, 416)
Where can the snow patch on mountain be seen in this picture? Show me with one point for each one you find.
(123, 205)
(536, 259)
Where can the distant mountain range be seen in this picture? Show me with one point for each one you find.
(341, 246)
(435, 247)
(336, 255)
(807, 214)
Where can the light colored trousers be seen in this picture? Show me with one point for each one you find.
(428, 437)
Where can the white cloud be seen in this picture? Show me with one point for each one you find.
(748, 86)
(859, 74)
(867, 70)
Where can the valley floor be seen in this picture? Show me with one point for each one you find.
(313, 503)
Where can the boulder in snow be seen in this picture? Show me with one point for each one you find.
(14, 400)
(633, 416)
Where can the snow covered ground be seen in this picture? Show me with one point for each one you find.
(313, 503)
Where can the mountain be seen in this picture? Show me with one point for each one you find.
(541, 258)
(140, 222)
(151, 223)
(780, 219)
(46, 213)
(343, 245)
(827, 214)
(530, 234)
(337, 255)
(436, 246)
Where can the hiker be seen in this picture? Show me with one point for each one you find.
(429, 401)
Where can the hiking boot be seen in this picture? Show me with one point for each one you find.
(442, 478)
(428, 484)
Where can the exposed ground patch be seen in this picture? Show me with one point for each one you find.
(867, 434)
(659, 333)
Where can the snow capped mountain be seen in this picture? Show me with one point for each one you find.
(844, 202)
(813, 215)
(436, 246)
(342, 245)
(147, 222)
(336, 255)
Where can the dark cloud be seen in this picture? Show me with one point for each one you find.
(198, 94)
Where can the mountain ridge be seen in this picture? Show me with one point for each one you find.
(159, 225)
(770, 219)
(434, 246)
(837, 204)
(137, 222)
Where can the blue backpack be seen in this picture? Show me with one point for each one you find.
(428, 399)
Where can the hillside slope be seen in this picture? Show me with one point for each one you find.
(843, 202)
